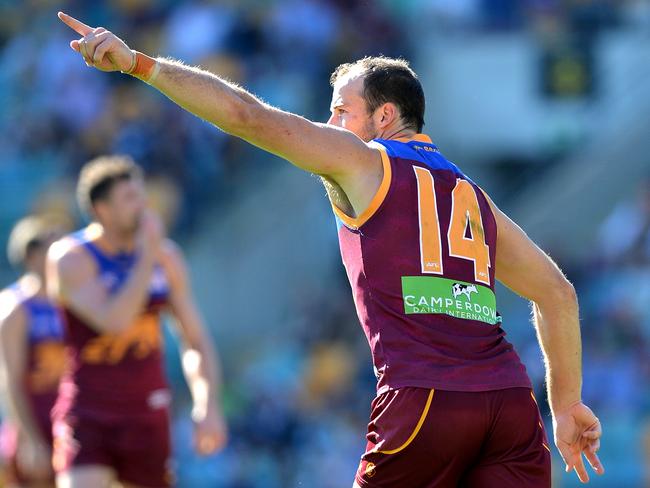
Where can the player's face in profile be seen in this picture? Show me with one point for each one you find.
(125, 205)
(349, 109)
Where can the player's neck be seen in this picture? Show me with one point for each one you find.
(115, 242)
(398, 132)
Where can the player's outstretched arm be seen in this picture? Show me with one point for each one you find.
(524, 268)
(200, 360)
(318, 148)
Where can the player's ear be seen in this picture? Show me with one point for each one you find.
(387, 114)
(98, 210)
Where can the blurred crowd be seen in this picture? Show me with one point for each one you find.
(613, 283)
(568, 16)
(298, 408)
(616, 301)
(58, 114)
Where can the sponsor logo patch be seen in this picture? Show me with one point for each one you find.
(436, 295)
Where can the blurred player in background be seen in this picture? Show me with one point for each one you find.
(32, 357)
(113, 280)
(420, 245)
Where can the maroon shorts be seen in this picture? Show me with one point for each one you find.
(421, 438)
(138, 450)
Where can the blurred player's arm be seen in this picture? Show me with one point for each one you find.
(73, 282)
(524, 268)
(315, 147)
(13, 363)
(33, 451)
(200, 360)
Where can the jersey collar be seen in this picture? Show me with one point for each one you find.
(417, 137)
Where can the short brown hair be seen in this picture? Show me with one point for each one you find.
(29, 234)
(388, 80)
(98, 177)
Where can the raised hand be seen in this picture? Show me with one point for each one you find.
(100, 48)
(577, 431)
(150, 233)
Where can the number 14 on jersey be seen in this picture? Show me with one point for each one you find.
(465, 235)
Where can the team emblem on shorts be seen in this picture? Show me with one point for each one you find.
(460, 289)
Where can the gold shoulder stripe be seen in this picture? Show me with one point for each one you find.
(376, 201)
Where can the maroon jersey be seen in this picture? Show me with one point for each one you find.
(420, 261)
(115, 375)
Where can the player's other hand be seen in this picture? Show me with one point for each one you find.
(100, 48)
(577, 431)
(210, 432)
(34, 457)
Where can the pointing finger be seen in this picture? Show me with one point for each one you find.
(76, 25)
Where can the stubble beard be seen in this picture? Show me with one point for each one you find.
(369, 131)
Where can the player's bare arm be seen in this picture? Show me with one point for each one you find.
(34, 452)
(199, 358)
(73, 282)
(329, 151)
(524, 268)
